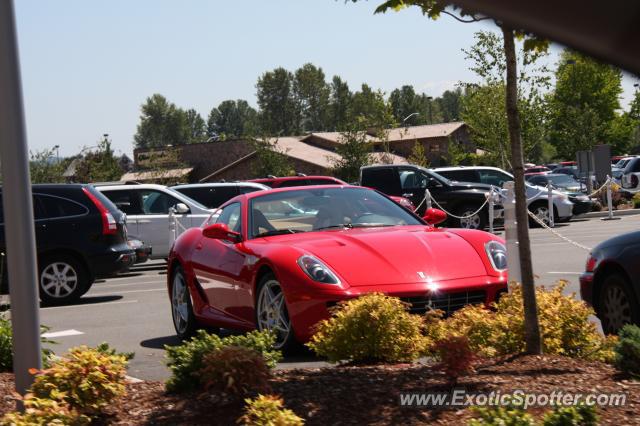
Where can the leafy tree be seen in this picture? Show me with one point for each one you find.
(197, 126)
(232, 119)
(584, 103)
(433, 9)
(449, 105)
(100, 165)
(369, 107)
(312, 95)
(354, 150)
(418, 155)
(279, 111)
(339, 104)
(161, 124)
(44, 167)
(404, 102)
(271, 159)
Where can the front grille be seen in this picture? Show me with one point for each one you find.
(447, 302)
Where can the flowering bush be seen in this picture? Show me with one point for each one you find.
(268, 410)
(371, 328)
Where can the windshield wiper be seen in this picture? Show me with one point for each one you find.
(278, 232)
(342, 225)
(370, 225)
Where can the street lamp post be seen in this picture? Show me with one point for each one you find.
(57, 148)
(408, 117)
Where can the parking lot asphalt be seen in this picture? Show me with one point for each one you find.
(132, 312)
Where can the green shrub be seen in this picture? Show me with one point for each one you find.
(6, 345)
(455, 356)
(371, 328)
(105, 349)
(583, 415)
(268, 410)
(44, 412)
(564, 325)
(235, 370)
(627, 350)
(87, 379)
(636, 200)
(185, 360)
(510, 415)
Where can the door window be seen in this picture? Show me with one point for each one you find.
(210, 196)
(411, 179)
(57, 207)
(230, 216)
(493, 177)
(156, 202)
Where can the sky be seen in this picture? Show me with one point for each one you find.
(88, 65)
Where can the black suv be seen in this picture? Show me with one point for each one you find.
(409, 181)
(80, 236)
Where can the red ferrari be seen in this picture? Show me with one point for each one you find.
(277, 260)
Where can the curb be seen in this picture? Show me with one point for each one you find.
(616, 213)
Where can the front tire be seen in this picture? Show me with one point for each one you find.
(62, 279)
(476, 221)
(617, 305)
(184, 320)
(272, 314)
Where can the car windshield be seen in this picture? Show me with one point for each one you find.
(562, 179)
(308, 210)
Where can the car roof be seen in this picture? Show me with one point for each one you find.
(58, 185)
(258, 194)
(140, 186)
(221, 184)
(453, 168)
(283, 178)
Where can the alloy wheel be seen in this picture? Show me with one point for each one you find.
(542, 213)
(472, 222)
(616, 309)
(272, 312)
(180, 304)
(58, 280)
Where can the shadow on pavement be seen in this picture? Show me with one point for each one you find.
(159, 342)
(88, 300)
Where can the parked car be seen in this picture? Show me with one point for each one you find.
(536, 170)
(537, 197)
(300, 180)
(409, 181)
(611, 281)
(572, 188)
(147, 208)
(142, 251)
(80, 236)
(213, 195)
(247, 271)
(631, 175)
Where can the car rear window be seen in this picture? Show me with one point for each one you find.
(210, 196)
(57, 207)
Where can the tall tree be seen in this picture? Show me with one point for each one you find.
(433, 9)
(449, 103)
(232, 119)
(312, 95)
(196, 125)
(406, 104)
(100, 165)
(161, 124)
(370, 107)
(279, 111)
(584, 103)
(44, 167)
(339, 104)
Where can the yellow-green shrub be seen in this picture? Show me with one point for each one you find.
(44, 412)
(371, 328)
(235, 370)
(636, 200)
(564, 325)
(268, 410)
(87, 379)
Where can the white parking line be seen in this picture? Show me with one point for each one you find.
(565, 273)
(63, 333)
(121, 302)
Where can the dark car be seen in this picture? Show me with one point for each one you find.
(213, 195)
(80, 236)
(288, 181)
(460, 198)
(611, 282)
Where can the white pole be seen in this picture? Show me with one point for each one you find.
(18, 208)
(610, 201)
(511, 234)
(427, 197)
(172, 226)
(491, 212)
(550, 205)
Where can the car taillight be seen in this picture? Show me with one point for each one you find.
(591, 264)
(109, 224)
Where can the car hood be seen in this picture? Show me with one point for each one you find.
(397, 255)
(470, 185)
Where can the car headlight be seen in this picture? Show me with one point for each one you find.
(316, 270)
(582, 198)
(497, 254)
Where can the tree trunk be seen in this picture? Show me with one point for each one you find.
(531, 325)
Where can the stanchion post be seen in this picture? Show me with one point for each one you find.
(172, 226)
(491, 213)
(550, 205)
(427, 198)
(511, 234)
(609, 201)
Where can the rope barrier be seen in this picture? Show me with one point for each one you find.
(556, 233)
(460, 217)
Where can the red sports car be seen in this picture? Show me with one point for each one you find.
(278, 259)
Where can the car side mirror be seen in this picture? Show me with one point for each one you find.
(434, 216)
(181, 208)
(220, 231)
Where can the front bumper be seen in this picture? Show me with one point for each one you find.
(307, 307)
(586, 287)
(581, 207)
(564, 208)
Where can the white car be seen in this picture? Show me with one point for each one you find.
(147, 208)
(213, 195)
(631, 175)
(537, 197)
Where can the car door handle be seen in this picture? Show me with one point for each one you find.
(407, 195)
